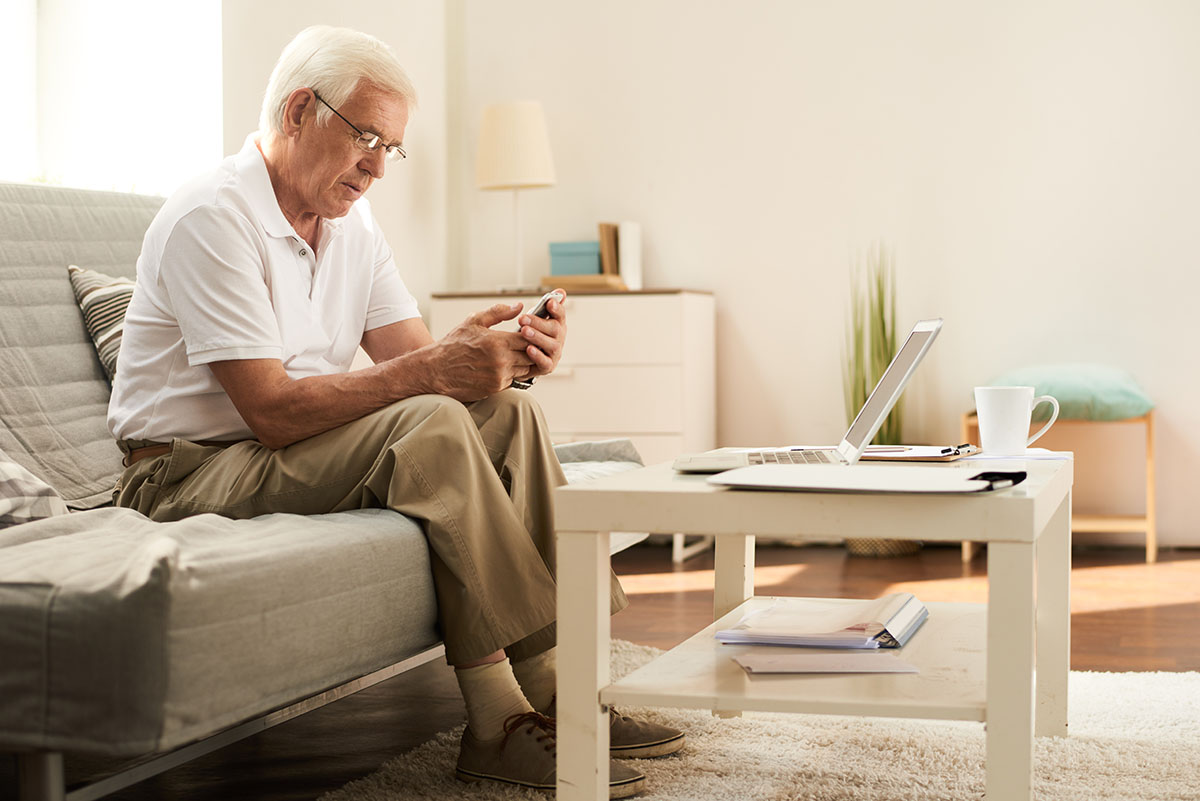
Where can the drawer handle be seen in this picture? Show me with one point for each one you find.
(561, 372)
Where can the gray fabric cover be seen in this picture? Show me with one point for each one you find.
(24, 497)
(582, 461)
(53, 393)
(119, 635)
(603, 450)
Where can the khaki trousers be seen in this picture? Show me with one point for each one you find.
(479, 477)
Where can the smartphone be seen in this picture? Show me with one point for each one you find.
(540, 309)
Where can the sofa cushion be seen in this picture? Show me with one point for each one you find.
(103, 300)
(24, 497)
(53, 391)
(1084, 391)
(120, 635)
(582, 461)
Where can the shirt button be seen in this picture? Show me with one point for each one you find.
(303, 252)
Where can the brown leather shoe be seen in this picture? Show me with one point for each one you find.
(525, 756)
(630, 738)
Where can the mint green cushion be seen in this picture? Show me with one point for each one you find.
(1083, 391)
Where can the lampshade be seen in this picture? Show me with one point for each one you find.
(514, 149)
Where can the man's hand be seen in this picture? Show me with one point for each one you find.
(474, 362)
(545, 338)
(471, 363)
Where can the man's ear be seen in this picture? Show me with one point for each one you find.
(299, 104)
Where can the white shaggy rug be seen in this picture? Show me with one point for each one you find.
(1133, 736)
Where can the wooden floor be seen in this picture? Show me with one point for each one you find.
(1126, 615)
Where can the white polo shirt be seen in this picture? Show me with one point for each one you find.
(223, 275)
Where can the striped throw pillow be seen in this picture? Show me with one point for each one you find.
(24, 496)
(103, 300)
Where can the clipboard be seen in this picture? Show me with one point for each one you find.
(867, 478)
(917, 453)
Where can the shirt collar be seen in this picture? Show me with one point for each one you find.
(251, 164)
(252, 167)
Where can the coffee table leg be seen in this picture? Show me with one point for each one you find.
(1010, 680)
(733, 582)
(734, 573)
(1053, 651)
(583, 665)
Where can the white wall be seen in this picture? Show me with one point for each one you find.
(128, 92)
(410, 203)
(1033, 164)
(18, 62)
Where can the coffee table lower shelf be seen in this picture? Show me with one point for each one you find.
(949, 649)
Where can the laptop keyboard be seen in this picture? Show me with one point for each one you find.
(789, 457)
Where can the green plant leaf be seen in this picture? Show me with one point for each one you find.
(871, 336)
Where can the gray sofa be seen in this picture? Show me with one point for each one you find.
(120, 636)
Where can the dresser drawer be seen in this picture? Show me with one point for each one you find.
(601, 329)
(645, 329)
(613, 399)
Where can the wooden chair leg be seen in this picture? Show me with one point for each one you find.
(969, 433)
(40, 777)
(1151, 516)
(969, 551)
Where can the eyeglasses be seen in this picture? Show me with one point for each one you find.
(366, 140)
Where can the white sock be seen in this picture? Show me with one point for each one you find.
(538, 676)
(492, 695)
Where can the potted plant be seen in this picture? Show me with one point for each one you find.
(870, 347)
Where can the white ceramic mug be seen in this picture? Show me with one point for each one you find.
(1004, 415)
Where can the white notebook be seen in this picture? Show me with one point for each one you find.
(886, 622)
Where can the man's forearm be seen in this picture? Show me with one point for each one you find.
(472, 362)
(281, 410)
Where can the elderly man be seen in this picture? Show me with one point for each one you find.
(256, 284)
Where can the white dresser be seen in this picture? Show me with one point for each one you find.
(637, 365)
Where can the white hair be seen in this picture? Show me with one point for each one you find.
(331, 62)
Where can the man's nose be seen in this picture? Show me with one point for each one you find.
(373, 161)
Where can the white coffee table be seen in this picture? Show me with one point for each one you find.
(1022, 632)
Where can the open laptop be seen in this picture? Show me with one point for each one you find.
(893, 381)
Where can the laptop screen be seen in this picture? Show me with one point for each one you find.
(888, 390)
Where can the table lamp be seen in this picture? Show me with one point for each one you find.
(514, 153)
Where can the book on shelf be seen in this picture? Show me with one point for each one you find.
(608, 249)
(887, 622)
(595, 282)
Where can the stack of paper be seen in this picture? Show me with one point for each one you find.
(888, 622)
(822, 662)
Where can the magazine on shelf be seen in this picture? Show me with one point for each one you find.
(886, 622)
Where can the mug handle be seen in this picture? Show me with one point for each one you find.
(1053, 416)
